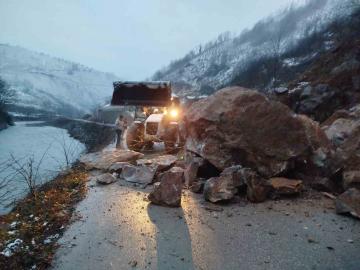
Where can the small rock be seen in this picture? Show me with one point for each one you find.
(322, 184)
(284, 186)
(212, 207)
(281, 90)
(197, 186)
(159, 163)
(351, 179)
(312, 241)
(118, 166)
(237, 173)
(257, 187)
(133, 263)
(138, 174)
(348, 203)
(105, 179)
(224, 187)
(191, 171)
(167, 192)
(219, 189)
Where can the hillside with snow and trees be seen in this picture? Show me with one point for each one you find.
(274, 52)
(45, 86)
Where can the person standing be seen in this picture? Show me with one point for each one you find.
(121, 125)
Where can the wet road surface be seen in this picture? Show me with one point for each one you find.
(119, 229)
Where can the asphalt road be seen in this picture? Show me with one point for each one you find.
(118, 229)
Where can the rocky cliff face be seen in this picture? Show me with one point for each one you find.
(330, 84)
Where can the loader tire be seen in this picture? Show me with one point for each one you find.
(171, 138)
(135, 136)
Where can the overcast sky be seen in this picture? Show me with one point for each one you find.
(130, 38)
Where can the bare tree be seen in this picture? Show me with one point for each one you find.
(69, 148)
(355, 4)
(276, 45)
(6, 176)
(27, 169)
(6, 95)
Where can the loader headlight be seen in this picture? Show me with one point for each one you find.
(174, 113)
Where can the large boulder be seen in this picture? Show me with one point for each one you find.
(241, 126)
(103, 160)
(167, 192)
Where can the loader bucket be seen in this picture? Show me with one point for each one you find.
(155, 94)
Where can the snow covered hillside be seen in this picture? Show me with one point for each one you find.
(48, 85)
(277, 43)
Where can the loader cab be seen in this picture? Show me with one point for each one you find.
(156, 114)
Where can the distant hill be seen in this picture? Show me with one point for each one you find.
(275, 51)
(47, 85)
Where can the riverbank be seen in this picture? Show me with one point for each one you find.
(28, 234)
(43, 151)
(95, 136)
(5, 120)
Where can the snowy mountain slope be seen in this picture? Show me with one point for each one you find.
(219, 62)
(46, 84)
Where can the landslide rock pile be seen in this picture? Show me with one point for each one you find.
(239, 142)
(260, 147)
(162, 171)
(343, 129)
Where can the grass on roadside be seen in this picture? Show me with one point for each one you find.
(28, 234)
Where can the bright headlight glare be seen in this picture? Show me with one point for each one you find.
(174, 113)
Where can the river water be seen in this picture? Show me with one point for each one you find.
(50, 149)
